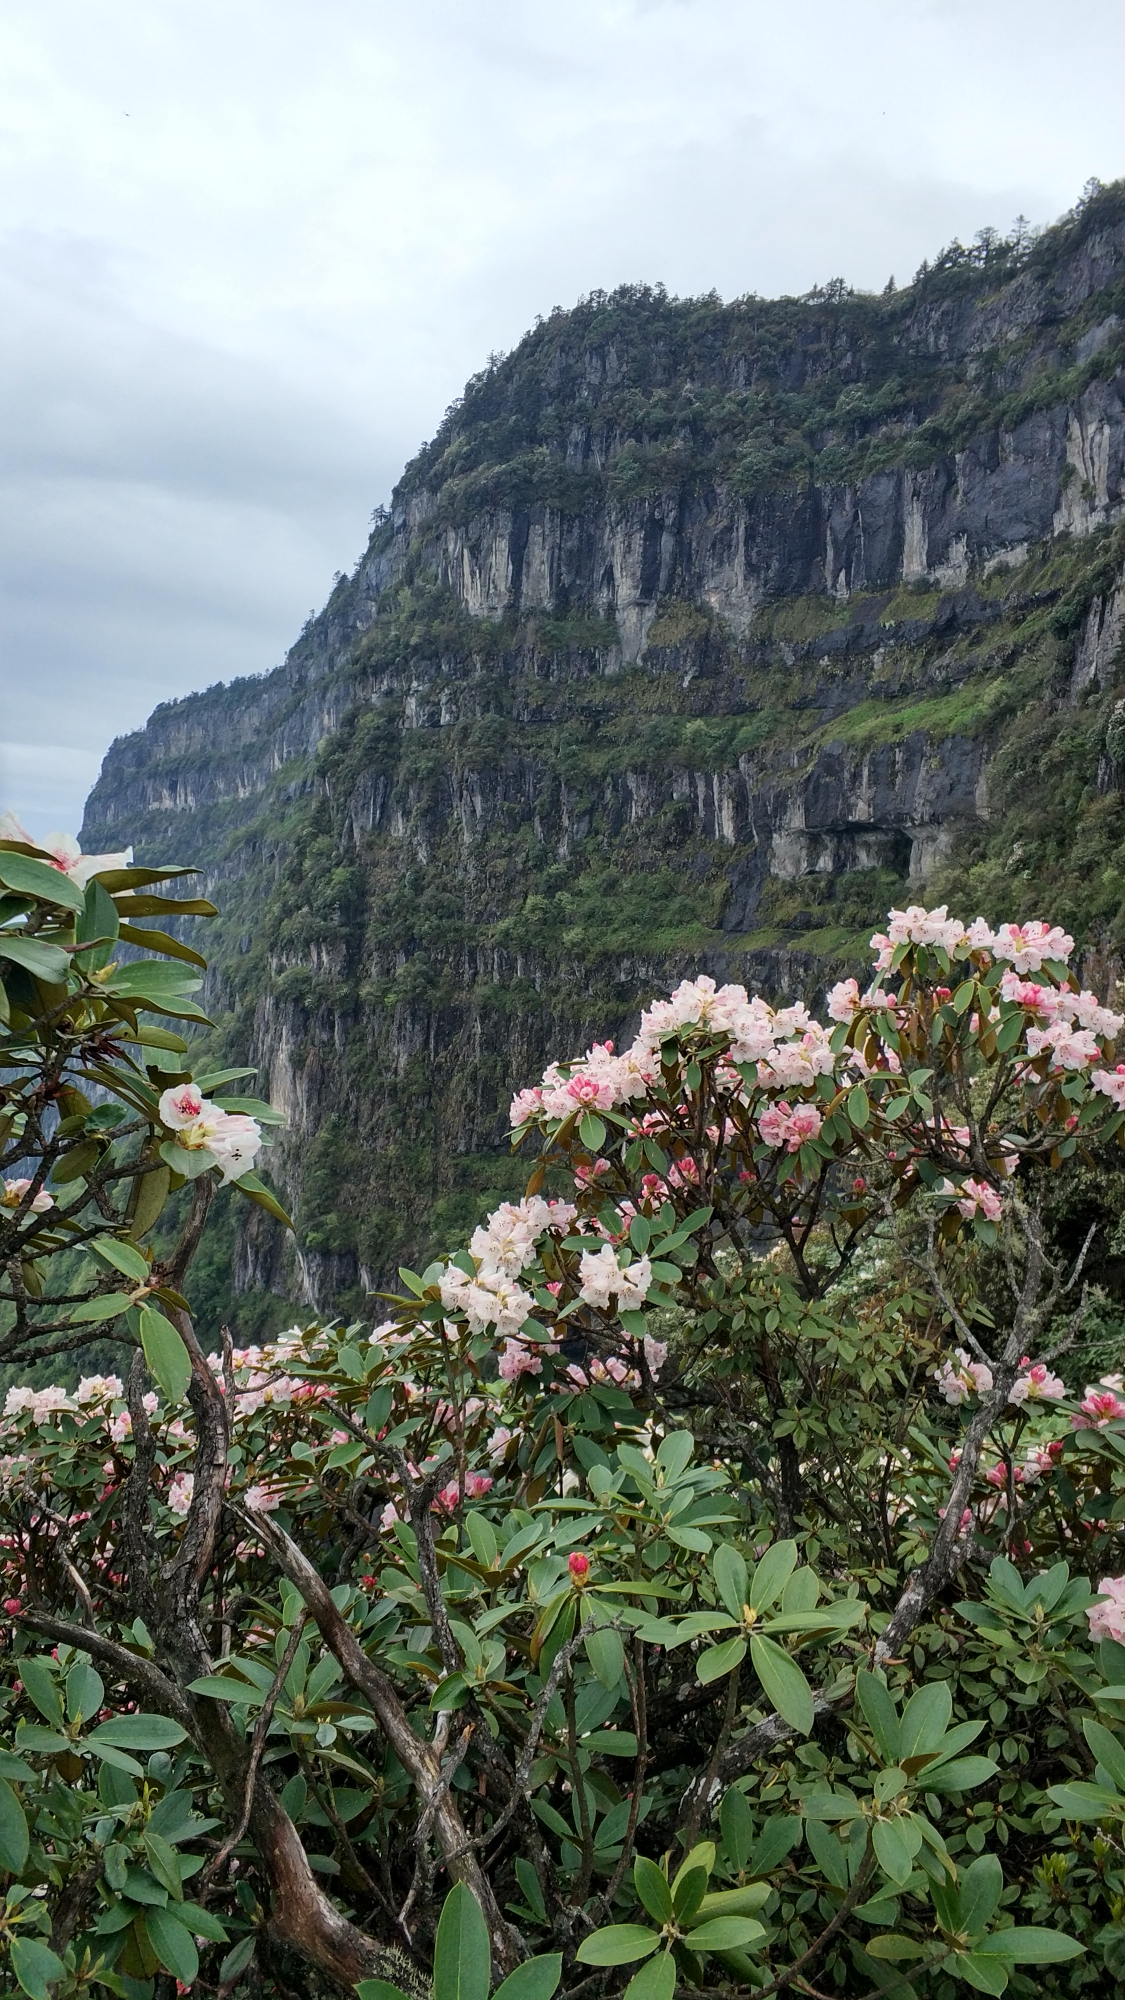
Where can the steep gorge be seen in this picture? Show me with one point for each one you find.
(698, 634)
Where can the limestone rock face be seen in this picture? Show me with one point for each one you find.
(698, 634)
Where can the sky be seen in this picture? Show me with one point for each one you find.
(252, 249)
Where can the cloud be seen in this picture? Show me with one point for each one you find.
(255, 248)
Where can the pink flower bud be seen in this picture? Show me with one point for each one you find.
(579, 1567)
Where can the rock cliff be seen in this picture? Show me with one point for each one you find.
(698, 634)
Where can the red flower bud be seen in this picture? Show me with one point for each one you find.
(579, 1567)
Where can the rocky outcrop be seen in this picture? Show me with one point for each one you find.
(694, 636)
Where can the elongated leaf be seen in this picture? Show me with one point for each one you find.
(1108, 1750)
(1030, 1944)
(535, 1979)
(744, 1902)
(123, 1257)
(652, 1888)
(783, 1683)
(960, 1775)
(891, 1850)
(166, 1357)
(925, 1720)
(737, 1826)
(203, 1923)
(729, 1572)
(35, 1967)
(1081, 1801)
(13, 1831)
(715, 1661)
(617, 1944)
(139, 1732)
(606, 1655)
(725, 1934)
(772, 1574)
(42, 960)
(882, 1717)
(256, 1191)
(461, 1951)
(39, 1682)
(28, 877)
(656, 1979)
(174, 1946)
(85, 1692)
(987, 1975)
(369, 1989)
(982, 1886)
(236, 1961)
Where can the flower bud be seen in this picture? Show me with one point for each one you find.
(579, 1567)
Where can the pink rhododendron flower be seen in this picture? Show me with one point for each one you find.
(1041, 1458)
(180, 1492)
(263, 1498)
(1111, 1083)
(100, 1388)
(843, 1000)
(977, 1198)
(789, 1126)
(1037, 1385)
(961, 1378)
(516, 1359)
(918, 926)
(1069, 1048)
(1099, 1407)
(1107, 1619)
(1028, 945)
(12, 1194)
(40, 1404)
(656, 1354)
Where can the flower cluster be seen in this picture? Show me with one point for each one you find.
(1107, 1619)
(961, 1377)
(233, 1138)
(13, 1194)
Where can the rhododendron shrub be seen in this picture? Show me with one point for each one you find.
(692, 1533)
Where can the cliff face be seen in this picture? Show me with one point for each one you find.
(698, 634)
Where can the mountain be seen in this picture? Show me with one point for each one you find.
(699, 635)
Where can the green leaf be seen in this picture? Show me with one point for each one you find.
(535, 1979)
(36, 1967)
(118, 1760)
(960, 1775)
(783, 1683)
(1080, 1801)
(744, 1902)
(123, 1257)
(894, 1947)
(378, 1989)
(139, 1732)
(859, 1108)
(256, 1191)
(737, 1827)
(925, 1720)
(656, 1979)
(13, 1831)
(982, 1886)
(532, 1893)
(85, 1692)
(988, 1975)
(1030, 1944)
(166, 1357)
(203, 1923)
(772, 1574)
(729, 1571)
(34, 1741)
(462, 1967)
(43, 961)
(725, 1934)
(882, 1717)
(39, 1683)
(162, 1861)
(236, 1961)
(110, 1306)
(715, 1661)
(617, 1944)
(592, 1131)
(28, 877)
(891, 1850)
(1108, 1750)
(174, 1946)
(606, 1654)
(652, 1888)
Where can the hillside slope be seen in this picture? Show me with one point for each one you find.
(699, 634)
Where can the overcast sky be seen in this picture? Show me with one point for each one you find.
(253, 248)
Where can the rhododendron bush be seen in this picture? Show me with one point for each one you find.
(694, 1567)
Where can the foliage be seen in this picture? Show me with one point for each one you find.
(638, 1514)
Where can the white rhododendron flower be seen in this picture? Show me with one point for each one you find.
(62, 851)
(1028, 946)
(233, 1137)
(601, 1278)
(100, 1388)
